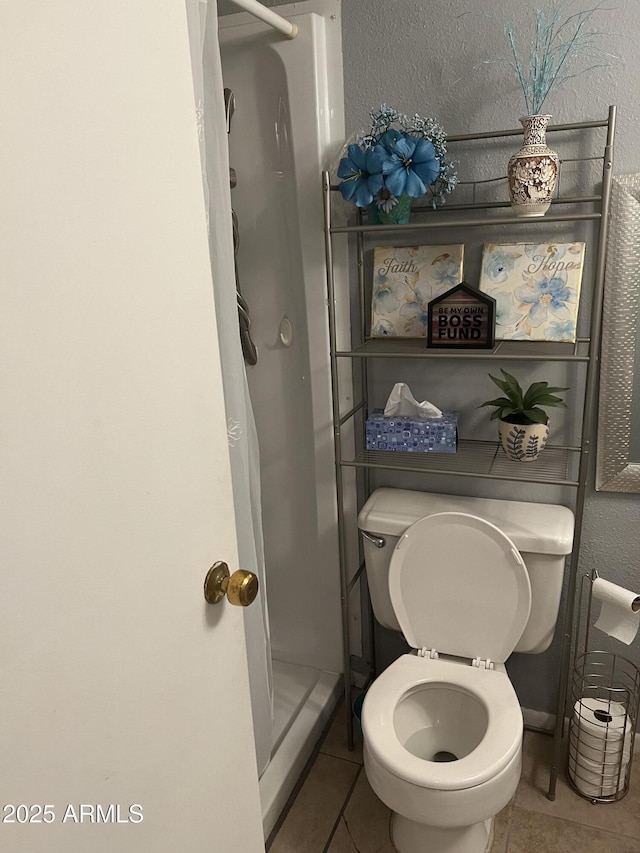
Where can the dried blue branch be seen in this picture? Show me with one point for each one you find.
(556, 51)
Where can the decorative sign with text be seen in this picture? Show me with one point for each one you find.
(463, 317)
(537, 288)
(405, 279)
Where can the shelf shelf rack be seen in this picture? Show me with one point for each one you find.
(559, 466)
(504, 350)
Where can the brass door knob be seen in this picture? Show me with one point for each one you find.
(241, 588)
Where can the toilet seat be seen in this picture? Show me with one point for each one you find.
(501, 741)
(459, 585)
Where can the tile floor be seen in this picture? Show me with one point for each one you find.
(335, 810)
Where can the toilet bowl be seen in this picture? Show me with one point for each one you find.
(442, 749)
(442, 726)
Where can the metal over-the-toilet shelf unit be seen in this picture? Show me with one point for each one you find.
(558, 465)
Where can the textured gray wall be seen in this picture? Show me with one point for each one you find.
(421, 57)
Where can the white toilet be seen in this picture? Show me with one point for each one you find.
(467, 581)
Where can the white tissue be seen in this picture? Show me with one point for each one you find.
(402, 403)
(620, 614)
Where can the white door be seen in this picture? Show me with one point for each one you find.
(124, 707)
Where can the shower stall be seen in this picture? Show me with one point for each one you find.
(286, 127)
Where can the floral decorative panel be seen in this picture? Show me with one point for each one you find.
(536, 287)
(405, 280)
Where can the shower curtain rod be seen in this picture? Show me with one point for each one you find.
(253, 7)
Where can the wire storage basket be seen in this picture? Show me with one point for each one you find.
(603, 715)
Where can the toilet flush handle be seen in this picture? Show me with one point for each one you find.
(378, 541)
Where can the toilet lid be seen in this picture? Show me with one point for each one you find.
(459, 585)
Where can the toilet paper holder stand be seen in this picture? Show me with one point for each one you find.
(603, 715)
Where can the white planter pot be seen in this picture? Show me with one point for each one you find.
(533, 170)
(523, 442)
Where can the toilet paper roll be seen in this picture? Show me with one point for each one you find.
(601, 722)
(606, 753)
(588, 778)
(607, 773)
(599, 744)
(620, 613)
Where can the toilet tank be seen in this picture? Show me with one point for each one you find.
(543, 533)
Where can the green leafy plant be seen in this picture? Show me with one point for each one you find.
(520, 407)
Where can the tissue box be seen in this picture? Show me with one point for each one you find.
(413, 435)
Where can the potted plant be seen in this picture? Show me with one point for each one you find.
(523, 425)
(399, 159)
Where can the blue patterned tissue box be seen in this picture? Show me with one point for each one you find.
(413, 435)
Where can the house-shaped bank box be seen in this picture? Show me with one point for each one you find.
(461, 318)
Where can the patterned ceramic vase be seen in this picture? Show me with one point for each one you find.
(397, 211)
(523, 442)
(533, 170)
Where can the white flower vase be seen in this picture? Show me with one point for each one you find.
(533, 170)
(523, 442)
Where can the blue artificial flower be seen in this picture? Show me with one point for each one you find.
(390, 137)
(548, 295)
(411, 166)
(361, 173)
(415, 148)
